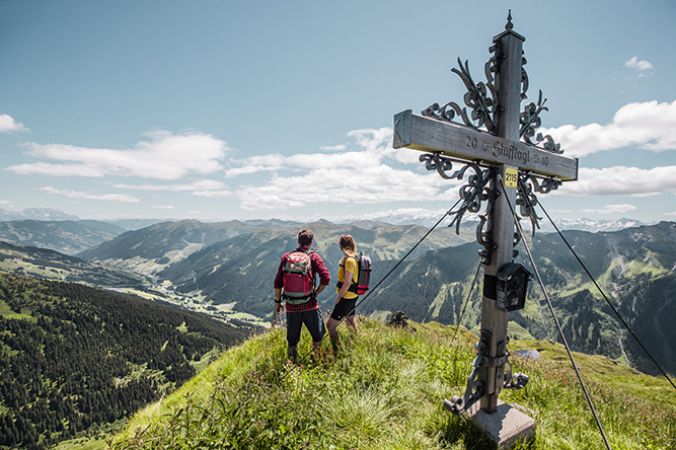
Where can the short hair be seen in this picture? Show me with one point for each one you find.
(347, 242)
(305, 237)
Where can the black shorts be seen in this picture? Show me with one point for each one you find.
(344, 308)
(312, 320)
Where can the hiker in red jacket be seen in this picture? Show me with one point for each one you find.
(295, 284)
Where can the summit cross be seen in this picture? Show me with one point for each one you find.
(498, 142)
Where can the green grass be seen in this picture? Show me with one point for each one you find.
(82, 444)
(385, 391)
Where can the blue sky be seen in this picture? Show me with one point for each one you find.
(220, 110)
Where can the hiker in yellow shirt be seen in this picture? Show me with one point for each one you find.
(346, 296)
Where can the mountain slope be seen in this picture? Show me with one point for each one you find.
(74, 357)
(629, 264)
(385, 391)
(65, 236)
(240, 270)
(151, 249)
(52, 265)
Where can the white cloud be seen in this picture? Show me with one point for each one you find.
(621, 208)
(256, 164)
(161, 155)
(368, 184)
(639, 65)
(197, 185)
(162, 206)
(9, 125)
(333, 148)
(213, 194)
(56, 170)
(670, 214)
(89, 196)
(360, 173)
(621, 180)
(648, 125)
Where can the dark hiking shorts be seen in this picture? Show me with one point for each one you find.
(312, 320)
(344, 308)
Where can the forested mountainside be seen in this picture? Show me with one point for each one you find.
(74, 357)
(635, 266)
(50, 264)
(385, 390)
(64, 236)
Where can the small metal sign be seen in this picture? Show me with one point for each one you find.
(511, 176)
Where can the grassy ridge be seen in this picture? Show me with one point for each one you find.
(385, 390)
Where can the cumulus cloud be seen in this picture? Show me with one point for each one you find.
(648, 125)
(369, 184)
(9, 124)
(363, 172)
(621, 208)
(639, 65)
(161, 155)
(162, 206)
(622, 180)
(196, 185)
(56, 170)
(221, 193)
(333, 148)
(89, 196)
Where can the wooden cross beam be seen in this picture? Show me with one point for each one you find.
(462, 142)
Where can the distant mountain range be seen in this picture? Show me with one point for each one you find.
(36, 214)
(229, 266)
(635, 265)
(65, 236)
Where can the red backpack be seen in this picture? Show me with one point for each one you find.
(297, 277)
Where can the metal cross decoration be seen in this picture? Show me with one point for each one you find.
(497, 142)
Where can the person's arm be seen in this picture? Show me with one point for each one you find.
(320, 269)
(279, 306)
(346, 285)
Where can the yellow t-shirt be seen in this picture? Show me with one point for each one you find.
(348, 264)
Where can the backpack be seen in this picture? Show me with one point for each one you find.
(297, 277)
(364, 277)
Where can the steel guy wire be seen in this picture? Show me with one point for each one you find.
(556, 320)
(607, 300)
(358, 303)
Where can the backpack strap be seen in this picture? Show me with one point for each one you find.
(353, 284)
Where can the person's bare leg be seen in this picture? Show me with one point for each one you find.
(352, 322)
(332, 325)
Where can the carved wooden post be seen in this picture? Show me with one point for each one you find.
(494, 319)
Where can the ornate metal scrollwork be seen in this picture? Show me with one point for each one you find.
(526, 201)
(530, 121)
(475, 194)
(474, 389)
(481, 98)
(524, 77)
